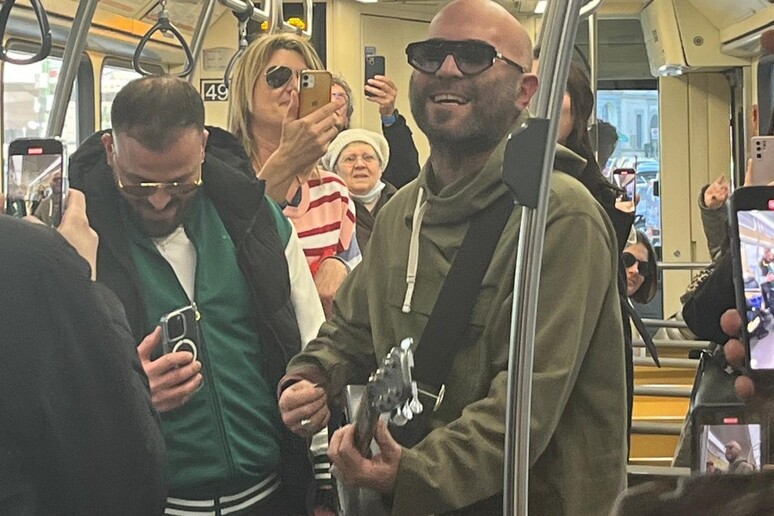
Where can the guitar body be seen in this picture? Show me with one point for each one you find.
(356, 501)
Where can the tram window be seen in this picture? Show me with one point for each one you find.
(28, 92)
(634, 114)
(114, 76)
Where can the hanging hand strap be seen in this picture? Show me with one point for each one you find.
(45, 34)
(164, 26)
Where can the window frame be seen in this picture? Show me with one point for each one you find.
(84, 94)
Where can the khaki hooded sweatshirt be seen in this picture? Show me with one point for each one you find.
(578, 441)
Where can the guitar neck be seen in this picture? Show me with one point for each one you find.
(366, 418)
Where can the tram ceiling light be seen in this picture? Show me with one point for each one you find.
(540, 7)
(672, 70)
(367, 1)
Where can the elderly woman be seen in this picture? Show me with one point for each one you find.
(359, 157)
(285, 150)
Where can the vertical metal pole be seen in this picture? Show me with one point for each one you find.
(739, 83)
(594, 79)
(71, 61)
(560, 26)
(197, 41)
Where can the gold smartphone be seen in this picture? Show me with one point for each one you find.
(314, 91)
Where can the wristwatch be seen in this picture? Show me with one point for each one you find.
(388, 120)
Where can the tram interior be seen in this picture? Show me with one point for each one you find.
(685, 82)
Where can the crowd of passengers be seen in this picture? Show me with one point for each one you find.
(310, 249)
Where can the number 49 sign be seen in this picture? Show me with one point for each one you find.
(214, 91)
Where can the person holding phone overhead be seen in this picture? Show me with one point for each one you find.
(403, 165)
(285, 149)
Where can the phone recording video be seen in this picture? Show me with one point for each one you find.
(35, 182)
(725, 442)
(625, 179)
(752, 233)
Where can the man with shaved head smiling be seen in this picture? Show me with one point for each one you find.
(469, 90)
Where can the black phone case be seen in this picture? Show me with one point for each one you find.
(374, 65)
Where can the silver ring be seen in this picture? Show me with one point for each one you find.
(306, 423)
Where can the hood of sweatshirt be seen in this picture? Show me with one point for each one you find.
(444, 214)
(474, 192)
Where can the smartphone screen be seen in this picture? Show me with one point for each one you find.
(35, 182)
(726, 439)
(752, 231)
(374, 65)
(730, 447)
(625, 179)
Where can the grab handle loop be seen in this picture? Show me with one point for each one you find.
(45, 34)
(243, 18)
(164, 26)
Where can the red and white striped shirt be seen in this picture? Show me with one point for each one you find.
(325, 220)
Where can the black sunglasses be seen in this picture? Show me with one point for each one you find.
(645, 269)
(471, 56)
(278, 76)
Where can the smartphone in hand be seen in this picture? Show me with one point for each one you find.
(626, 180)
(180, 330)
(762, 160)
(35, 182)
(314, 91)
(374, 65)
(751, 219)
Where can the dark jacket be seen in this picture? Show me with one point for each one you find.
(709, 301)
(229, 183)
(78, 433)
(403, 166)
(366, 219)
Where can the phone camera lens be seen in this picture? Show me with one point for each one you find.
(176, 327)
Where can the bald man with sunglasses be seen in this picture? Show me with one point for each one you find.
(468, 92)
(182, 220)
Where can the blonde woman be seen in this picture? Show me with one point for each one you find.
(285, 149)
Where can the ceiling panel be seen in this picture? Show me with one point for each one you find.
(182, 13)
(723, 13)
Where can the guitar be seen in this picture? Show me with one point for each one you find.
(390, 389)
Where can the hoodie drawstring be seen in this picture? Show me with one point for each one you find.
(413, 256)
